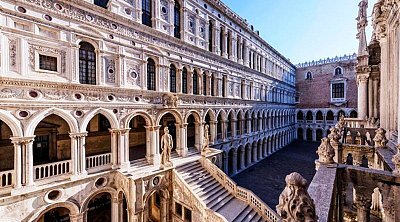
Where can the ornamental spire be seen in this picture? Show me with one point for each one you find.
(362, 22)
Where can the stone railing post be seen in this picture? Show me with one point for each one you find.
(295, 204)
(380, 138)
(334, 138)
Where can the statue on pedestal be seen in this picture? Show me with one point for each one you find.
(206, 140)
(166, 146)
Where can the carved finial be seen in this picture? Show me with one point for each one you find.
(380, 138)
(362, 22)
(295, 204)
(341, 123)
(396, 162)
(334, 135)
(326, 152)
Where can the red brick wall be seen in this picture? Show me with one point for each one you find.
(316, 93)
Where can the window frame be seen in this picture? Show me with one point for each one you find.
(151, 76)
(172, 79)
(311, 76)
(47, 53)
(145, 13)
(86, 64)
(341, 71)
(177, 24)
(342, 81)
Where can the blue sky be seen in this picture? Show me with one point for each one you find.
(303, 30)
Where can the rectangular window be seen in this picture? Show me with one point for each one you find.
(188, 215)
(48, 63)
(178, 209)
(338, 90)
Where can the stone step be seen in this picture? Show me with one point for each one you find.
(188, 167)
(205, 186)
(219, 204)
(215, 196)
(211, 193)
(250, 216)
(242, 215)
(232, 208)
(222, 197)
(197, 176)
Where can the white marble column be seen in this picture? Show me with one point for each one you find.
(362, 96)
(234, 163)
(17, 177)
(182, 150)
(153, 145)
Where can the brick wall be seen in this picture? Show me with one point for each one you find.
(316, 93)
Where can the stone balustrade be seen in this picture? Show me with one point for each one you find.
(52, 169)
(100, 160)
(243, 194)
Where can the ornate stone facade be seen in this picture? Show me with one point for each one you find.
(87, 90)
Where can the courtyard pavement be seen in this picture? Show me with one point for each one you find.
(267, 178)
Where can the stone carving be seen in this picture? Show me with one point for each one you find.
(341, 123)
(334, 136)
(13, 52)
(110, 70)
(380, 138)
(396, 162)
(295, 204)
(166, 146)
(170, 100)
(206, 140)
(326, 152)
(37, 48)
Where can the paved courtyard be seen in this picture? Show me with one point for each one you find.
(267, 178)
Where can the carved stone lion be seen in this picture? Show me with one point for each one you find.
(295, 204)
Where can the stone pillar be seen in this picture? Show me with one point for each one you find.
(233, 127)
(240, 50)
(314, 135)
(182, 150)
(17, 177)
(208, 92)
(234, 162)
(213, 131)
(114, 147)
(363, 203)
(114, 210)
(242, 160)
(259, 151)
(362, 96)
(246, 53)
(224, 43)
(76, 218)
(27, 155)
(248, 151)
(225, 160)
(254, 153)
(74, 154)
(265, 148)
(178, 80)
(153, 145)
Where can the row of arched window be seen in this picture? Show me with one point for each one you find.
(337, 71)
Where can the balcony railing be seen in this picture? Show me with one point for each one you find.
(52, 169)
(6, 178)
(101, 160)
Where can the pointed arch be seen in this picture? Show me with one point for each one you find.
(107, 113)
(11, 122)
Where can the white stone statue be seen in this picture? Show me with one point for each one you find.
(206, 140)
(341, 123)
(295, 204)
(166, 146)
(326, 152)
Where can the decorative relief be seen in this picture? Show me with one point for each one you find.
(43, 49)
(12, 43)
(380, 138)
(164, 10)
(295, 204)
(110, 70)
(202, 30)
(192, 24)
(133, 75)
(326, 152)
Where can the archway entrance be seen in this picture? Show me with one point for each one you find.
(6, 155)
(191, 131)
(300, 135)
(137, 138)
(309, 135)
(99, 208)
(59, 214)
(156, 209)
(52, 144)
(230, 161)
(168, 120)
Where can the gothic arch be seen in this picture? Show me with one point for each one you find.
(111, 191)
(176, 114)
(211, 113)
(40, 115)
(196, 115)
(108, 114)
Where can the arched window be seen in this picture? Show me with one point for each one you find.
(224, 82)
(172, 78)
(184, 80)
(195, 83)
(146, 12)
(87, 64)
(210, 36)
(204, 84)
(309, 76)
(151, 74)
(212, 85)
(221, 41)
(177, 20)
(338, 71)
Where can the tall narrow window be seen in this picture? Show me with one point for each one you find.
(172, 78)
(184, 80)
(204, 84)
(338, 71)
(228, 46)
(195, 83)
(177, 20)
(146, 12)
(212, 85)
(221, 41)
(210, 36)
(87, 64)
(338, 90)
(151, 75)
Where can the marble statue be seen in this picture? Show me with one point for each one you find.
(206, 140)
(166, 146)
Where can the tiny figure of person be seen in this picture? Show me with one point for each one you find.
(166, 146)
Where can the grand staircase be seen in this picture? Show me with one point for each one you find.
(215, 195)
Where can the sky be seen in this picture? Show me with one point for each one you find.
(304, 30)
